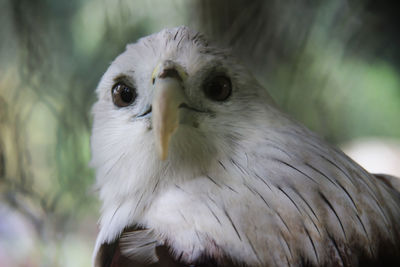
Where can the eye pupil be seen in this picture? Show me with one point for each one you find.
(218, 89)
(126, 94)
(123, 95)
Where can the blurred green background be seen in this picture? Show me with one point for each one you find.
(334, 65)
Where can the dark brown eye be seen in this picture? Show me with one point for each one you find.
(218, 88)
(123, 95)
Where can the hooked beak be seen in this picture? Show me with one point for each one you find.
(168, 96)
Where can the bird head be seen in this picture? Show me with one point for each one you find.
(172, 98)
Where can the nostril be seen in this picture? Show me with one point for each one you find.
(171, 73)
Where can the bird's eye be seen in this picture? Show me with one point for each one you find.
(219, 88)
(123, 95)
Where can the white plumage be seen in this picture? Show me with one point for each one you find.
(241, 181)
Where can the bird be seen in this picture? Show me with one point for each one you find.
(196, 165)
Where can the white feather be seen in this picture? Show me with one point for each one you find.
(139, 245)
(249, 182)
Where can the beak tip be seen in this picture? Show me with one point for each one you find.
(163, 155)
(162, 150)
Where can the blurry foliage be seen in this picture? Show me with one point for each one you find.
(334, 65)
(331, 64)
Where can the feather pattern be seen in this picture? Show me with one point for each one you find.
(243, 183)
(139, 245)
